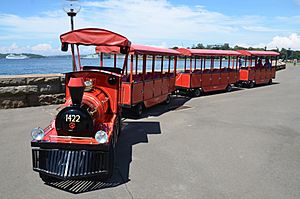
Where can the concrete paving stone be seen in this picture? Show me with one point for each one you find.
(244, 144)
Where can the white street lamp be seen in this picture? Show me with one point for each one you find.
(72, 7)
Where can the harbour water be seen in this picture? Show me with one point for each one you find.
(63, 64)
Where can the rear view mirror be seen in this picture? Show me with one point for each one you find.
(64, 47)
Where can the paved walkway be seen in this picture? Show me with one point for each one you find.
(244, 144)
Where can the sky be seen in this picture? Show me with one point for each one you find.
(34, 26)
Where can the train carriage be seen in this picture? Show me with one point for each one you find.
(208, 70)
(259, 67)
(149, 78)
(81, 141)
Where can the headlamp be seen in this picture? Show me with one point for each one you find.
(101, 137)
(37, 133)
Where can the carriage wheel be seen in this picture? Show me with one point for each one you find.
(197, 92)
(229, 88)
(138, 110)
(251, 84)
(270, 82)
(168, 100)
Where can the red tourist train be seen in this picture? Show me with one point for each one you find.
(80, 142)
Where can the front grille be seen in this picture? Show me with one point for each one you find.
(68, 164)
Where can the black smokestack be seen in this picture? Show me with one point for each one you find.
(76, 88)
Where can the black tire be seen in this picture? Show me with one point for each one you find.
(111, 163)
(197, 92)
(251, 84)
(229, 88)
(270, 82)
(138, 110)
(48, 179)
(168, 100)
(119, 120)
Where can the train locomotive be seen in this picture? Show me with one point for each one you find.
(80, 142)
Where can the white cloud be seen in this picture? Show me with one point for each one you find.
(47, 26)
(145, 21)
(42, 47)
(158, 20)
(13, 48)
(292, 41)
(151, 22)
(261, 29)
(293, 20)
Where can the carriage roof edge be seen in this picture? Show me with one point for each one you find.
(139, 49)
(207, 52)
(258, 53)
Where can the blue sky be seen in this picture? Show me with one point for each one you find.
(35, 25)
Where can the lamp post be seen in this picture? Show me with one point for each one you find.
(72, 7)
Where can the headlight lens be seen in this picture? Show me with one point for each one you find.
(101, 137)
(88, 85)
(37, 133)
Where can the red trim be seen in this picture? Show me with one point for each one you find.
(76, 82)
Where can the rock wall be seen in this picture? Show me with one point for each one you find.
(31, 90)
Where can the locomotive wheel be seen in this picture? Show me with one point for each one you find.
(47, 178)
(229, 88)
(111, 162)
(138, 110)
(251, 84)
(270, 82)
(119, 125)
(238, 85)
(197, 92)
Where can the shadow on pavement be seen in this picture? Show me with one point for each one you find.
(234, 89)
(177, 101)
(262, 85)
(133, 133)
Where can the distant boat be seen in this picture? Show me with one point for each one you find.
(92, 56)
(15, 56)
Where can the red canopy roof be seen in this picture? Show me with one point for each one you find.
(207, 52)
(258, 53)
(149, 50)
(139, 49)
(94, 36)
(107, 49)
